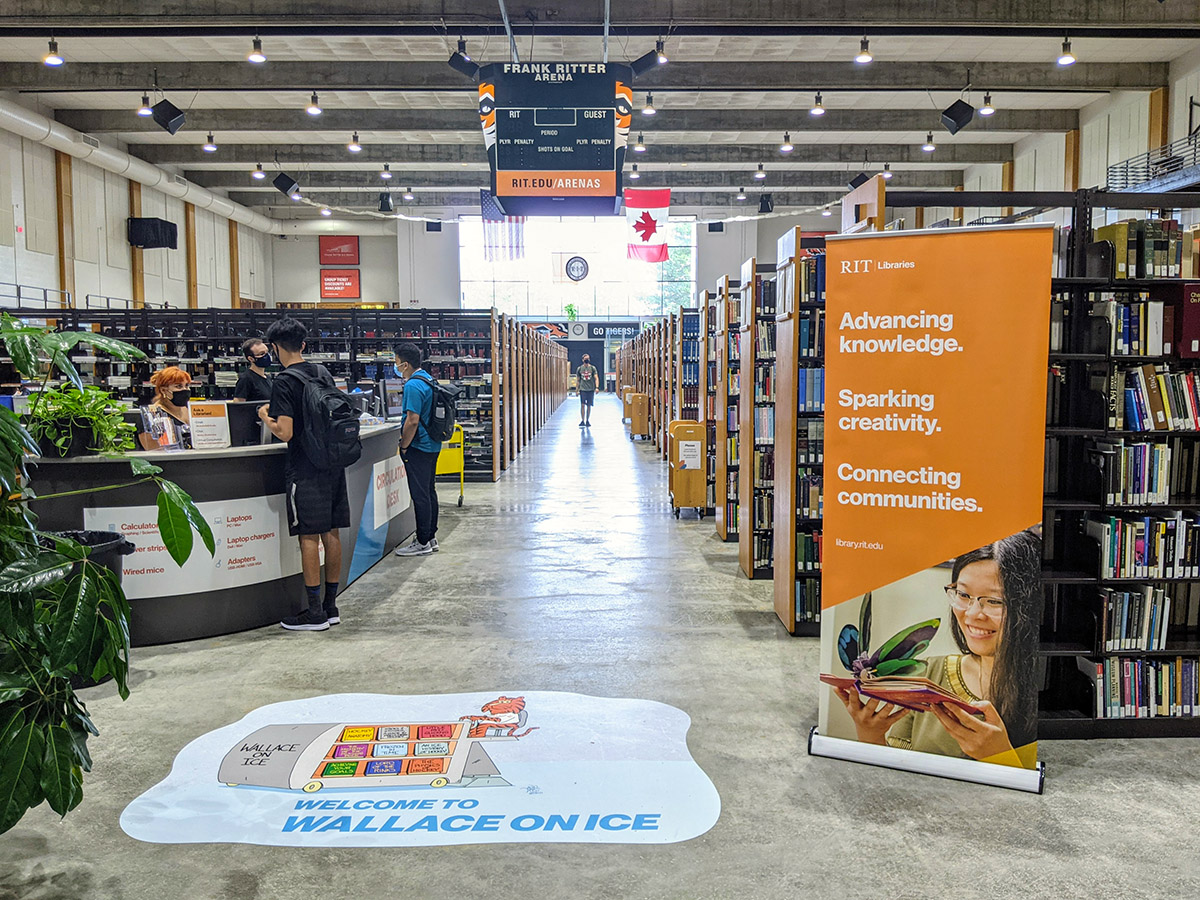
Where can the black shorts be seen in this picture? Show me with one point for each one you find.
(317, 503)
(586, 397)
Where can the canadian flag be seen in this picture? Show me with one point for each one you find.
(646, 212)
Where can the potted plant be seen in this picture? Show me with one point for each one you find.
(73, 421)
(63, 615)
(572, 312)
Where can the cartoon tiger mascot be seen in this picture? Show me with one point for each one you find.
(503, 714)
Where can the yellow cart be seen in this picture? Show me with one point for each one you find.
(451, 460)
(685, 478)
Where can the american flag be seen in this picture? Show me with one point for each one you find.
(503, 236)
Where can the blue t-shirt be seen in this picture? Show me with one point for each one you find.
(418, 398)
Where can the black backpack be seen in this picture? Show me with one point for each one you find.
(329, 437)
(443, 411)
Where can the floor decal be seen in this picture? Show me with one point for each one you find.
(366, 770)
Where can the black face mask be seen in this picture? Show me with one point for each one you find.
(181, 398)
(262, 361)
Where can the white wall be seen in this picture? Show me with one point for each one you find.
(1112, 130)
(428, 266)
(295, 263)
(254, 263)
(28, 218)
(982, 178)
(1039, 164)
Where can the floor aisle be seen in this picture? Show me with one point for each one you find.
(571, 574)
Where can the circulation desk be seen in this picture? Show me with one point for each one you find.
(254, 577)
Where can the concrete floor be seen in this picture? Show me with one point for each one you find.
(572, 575)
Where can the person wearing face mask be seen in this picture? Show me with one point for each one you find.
(168, 425)
(253, 385)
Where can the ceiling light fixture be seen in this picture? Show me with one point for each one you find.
(1066, 58)
(144, 109)
(786, 146)
(648, 109)
(987, 109)
(660, 50)
(887, 171)
(385, 202)
(408, 194)
(640, 146)
(761, 173)
(635, 174)
(295, 195)
(314, 105)
(741, 194)
(827, 212)
(168, 116)
(326, 211)
(386, 174)
(864, 52)
(256, 55)
(818, 107)
(210, 146)
(929, 146)
(258, 174)
(766, 203)
(354, 146)
(460, 61)
(52, 57)
(462, 50)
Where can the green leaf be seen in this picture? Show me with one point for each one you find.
(34, 572)
(73, 623)
(181, 499)
(23, 346)
(143, 467)
(174, 528)
(103, 343)
(62, 780)
(15, 684)
(68, 369)
(899, 638)
(21, 752)
(899, 667)
(79, 738)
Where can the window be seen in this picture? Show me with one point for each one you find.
(615, 287)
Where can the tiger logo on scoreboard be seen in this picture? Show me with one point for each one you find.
(487, 118)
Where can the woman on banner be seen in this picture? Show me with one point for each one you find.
(995, 599)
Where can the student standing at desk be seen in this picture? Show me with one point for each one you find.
(253, 384)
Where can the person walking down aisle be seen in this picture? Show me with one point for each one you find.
(420, 451)
(589, 378)
(317, 503)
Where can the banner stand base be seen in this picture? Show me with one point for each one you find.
(1031, 780)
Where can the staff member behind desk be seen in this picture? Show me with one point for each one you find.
(419, 450)
(166, 423)
(253, 384)
(317, 503)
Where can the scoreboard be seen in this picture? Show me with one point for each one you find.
(556, 135)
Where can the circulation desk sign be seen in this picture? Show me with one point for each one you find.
(936, 349)
(377, 770)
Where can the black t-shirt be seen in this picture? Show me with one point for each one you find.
(252, 387)
(287, 399)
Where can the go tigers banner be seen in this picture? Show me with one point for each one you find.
(936, 347)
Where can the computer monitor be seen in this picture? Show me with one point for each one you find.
(361, 400)
(245, 427)
(393, 397)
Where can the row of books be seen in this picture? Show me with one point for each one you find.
(1153, 248)
(811, 341)
(731, 516)
(1134, 474)
(690, 373)
(810, 441)
(731, 449)
(810, 495)
(810, 390)
(1156, 399)
(1137, 325)
(1135, 619)
(764, 341)
(764, 384)
(689, 397)
(764, 551)
(808, 551)
(1144, 688)
(764, 425)
(689, 351)
(808, 600)
(764, 296)
(764, 509)
(731, 419)
(1147, 546)
(803, 282)
(764, 467)
(735, 347)
(689, 325)
(735, 383)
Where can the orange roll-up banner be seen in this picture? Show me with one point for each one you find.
(935, 395)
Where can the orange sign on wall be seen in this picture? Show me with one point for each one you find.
(340, 284)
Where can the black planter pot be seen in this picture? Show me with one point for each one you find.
(82, 437)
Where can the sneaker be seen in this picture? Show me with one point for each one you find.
(587, 424)
(331, 614)
(581, 424)
(415, 549)
(434, 544)
(306, 622)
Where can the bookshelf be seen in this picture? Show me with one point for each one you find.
(728, 373)
(799, 438)
(688, 365)
(756, 420)
(706, 301)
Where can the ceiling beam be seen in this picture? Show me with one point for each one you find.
(668, 121)
(363, 180)
(355, 199)
(627, 15)
(191, 156)
(348, 75)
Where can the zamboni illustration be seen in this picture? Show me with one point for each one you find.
(346, 755)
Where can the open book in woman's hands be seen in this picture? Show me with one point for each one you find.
(911, 692)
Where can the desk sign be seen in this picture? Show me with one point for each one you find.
(210, 424)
